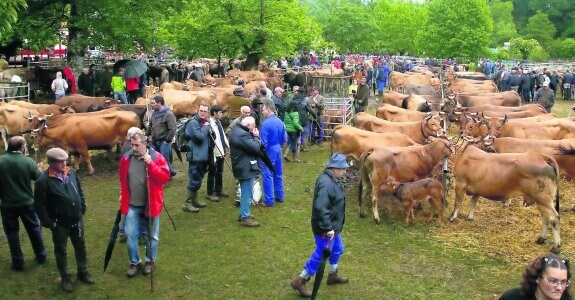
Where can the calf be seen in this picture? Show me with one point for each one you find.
(411, 193)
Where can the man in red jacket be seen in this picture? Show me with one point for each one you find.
(143, 173)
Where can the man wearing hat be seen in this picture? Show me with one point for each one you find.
(236, 102)
(60, 205)
(221, 147)
(545, 97)
(163, 123)
(16, 172)
(279, 102)
(327, 219)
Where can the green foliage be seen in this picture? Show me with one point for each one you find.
(563, 48)
(9, 14)
(398, 22)
(351, 28)
(540, 28)
(539, 55)
(560, 13)
(503, 26)
(499, 53)
(521, 48)
(458, 28)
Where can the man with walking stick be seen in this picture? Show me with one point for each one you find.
(327, 219)
(143, 173)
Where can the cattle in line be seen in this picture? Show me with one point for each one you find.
(71, 133)
(419, 131)
(81, 103)
(526, 115)
(352, 142)
(44, 109)
(553, 129)
(405, 164)
(500, 176)
(467, 85)
(419, 89)
(412, 193)
(399, 81)
(420, 103)
(508, 98)
(393, 98)
(14, 120)
(392, 113)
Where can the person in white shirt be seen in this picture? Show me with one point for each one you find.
(59, 86)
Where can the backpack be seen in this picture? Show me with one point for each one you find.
(181, 139)
(302, 112)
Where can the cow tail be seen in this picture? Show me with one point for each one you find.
(362, 176)
(553, 164)
(405, 103)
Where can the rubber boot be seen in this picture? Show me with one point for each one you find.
(286, 154)
(197, 202)
(298, 284)
(334, 278)
(296, 155)
(188, 205)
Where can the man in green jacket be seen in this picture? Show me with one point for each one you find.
(119, 86)
(17, 201)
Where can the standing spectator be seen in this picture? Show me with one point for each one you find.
(85, 84)
(283, 63)
(290, 96)
(273, 137)
(197, 132)
(279, 102)
(317, 105)
(362, 96)
(268, 93)
(119, 86)
(142, 83)
(352, 89)
(534, 85)
(94, 80)
(221, 147)
(70, 80)
(60, 205)
(143, 174)
(59, 86)
(305, 113)
(163, 129)
(245, 146)
(545, 97)
(327, 219)
(554, 82)
(369, 77)
(293, 130)
(505, 78)
(133, 89)
(105, 83)
(246, 111)
(16, 172)
(526, 86)
(381, 74)
(256, 110)
(514, 81)
(236, 102)
(567, 80)
(546, 277)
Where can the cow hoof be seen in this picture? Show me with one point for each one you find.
(469, 219)
(451, 219)
(556, 250)
(361, 215)
(377, 221)
(540, 241)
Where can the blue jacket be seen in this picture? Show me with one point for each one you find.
(245, 151)
(199, 140)
(328, 208)
(273, 132)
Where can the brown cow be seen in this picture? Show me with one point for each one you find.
(14, 120)
(419, 131)
(396, 114)
(351, 141)
(411, 193)
(398, 81)
(499, 177)
(468, 85)
(393, 98)
(81, 103)
(406, 164)
(44, 109)
(512, 99)
(71, 132)
(553, 129)
(526, 115)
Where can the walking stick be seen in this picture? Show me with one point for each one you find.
(150, 228)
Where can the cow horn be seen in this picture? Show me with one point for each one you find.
(469, 117)
(485, 117)
(35, 130)
(473, 114)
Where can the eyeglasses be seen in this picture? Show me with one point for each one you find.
(557, 283)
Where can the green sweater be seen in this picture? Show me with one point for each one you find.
(118, 84)
(291, 121)
(16, 173)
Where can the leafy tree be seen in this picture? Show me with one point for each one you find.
(563, 48)
(560, 13)
(352, 28)
(456, 28)
(540, 28)
(9, 13)
(397, 24)
(503, 26)
(522, 48)
(539, 54)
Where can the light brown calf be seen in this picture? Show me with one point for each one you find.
(411, 193)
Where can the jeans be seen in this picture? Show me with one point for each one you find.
(166, 150)
(246, 186)
(134, 218)
(59, 95)
(60, 236)
(305, 134)
(526, 95)
(10, 216)
(273, 186)
(317, 131)
(336, 246)
(293, 139)
(215, 176)
(121, 96)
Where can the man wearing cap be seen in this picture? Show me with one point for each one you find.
(243, 85)
(236, 102)
(545, 97)
(163, 129)
(198, 132)
(317, 104)
(273, 137)
(221, 147)
(362, 96)
(143, 174)
(16, 172)
(525, 86)
(60, 205)
(327, 219)
(279, 102)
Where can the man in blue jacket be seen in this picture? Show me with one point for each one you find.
(198, 132)
(273, 136)
(327, 219)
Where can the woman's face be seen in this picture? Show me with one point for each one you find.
(552, 283)
(355, 81)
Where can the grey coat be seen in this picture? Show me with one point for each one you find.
(199, 140)
(244, 152)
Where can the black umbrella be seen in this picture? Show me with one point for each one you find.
(112, 241)
(263, 155)
(319, 275)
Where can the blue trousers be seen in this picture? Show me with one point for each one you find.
(306, 131)
(166, 150)
(380, 85)
(10, 216)
(336, 247)
(273, 186)
(121, 96)
(134, 219)
(196, 172)
(317, 131)
(247, 190)
(293, 139)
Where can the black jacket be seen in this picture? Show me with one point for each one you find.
(328, 208)
(58, 201)
(245, 151)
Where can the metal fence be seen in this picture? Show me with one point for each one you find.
(330, 86)
(14, 91)
(337, 111)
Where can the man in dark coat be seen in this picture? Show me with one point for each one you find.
(525, 86)
(245, 145)
(514, 81)
(567, 80)
(163, 129)
(85, 83)
(362, 96)
(327, 219)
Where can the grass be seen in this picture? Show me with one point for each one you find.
(211, 257)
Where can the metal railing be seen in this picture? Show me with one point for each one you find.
(14, 91)
(337, 111)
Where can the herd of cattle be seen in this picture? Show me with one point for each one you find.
(404, 142)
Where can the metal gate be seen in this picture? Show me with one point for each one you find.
(337, 111)
(14, 91)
